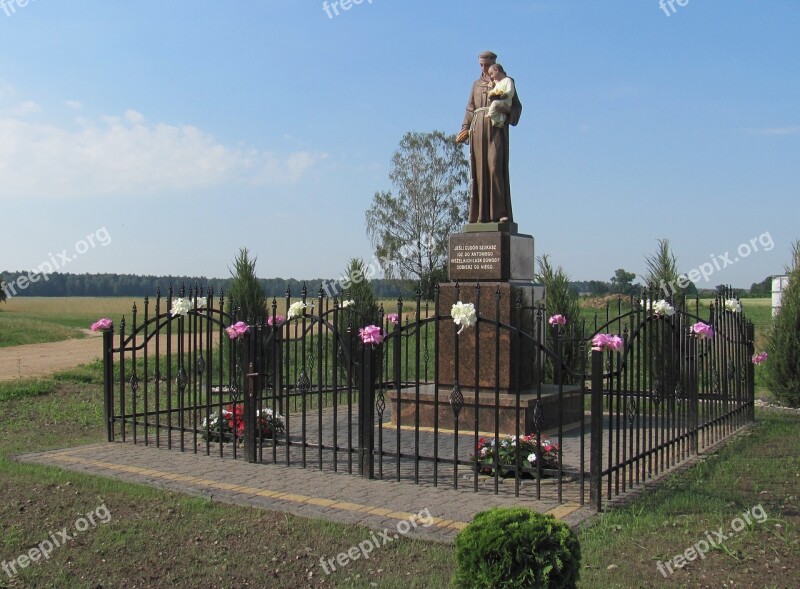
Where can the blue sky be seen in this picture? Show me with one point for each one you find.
(190, 129)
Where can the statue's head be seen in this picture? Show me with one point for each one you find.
(496, 71)
(485, 60)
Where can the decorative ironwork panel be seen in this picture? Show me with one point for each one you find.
(303, 383)
(200, 365)
(657, 391)
(456, 400)
(631, 409)
(380, 404)
(538, 418)
(134, 382)
(182, 379)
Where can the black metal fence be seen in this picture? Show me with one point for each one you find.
(430, 403)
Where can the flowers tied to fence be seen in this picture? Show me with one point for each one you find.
(237, 330)
(102, 324)
(545, 456)
(760, 358)
(702, 330)
(603, 341)
(268, 424)
(733, 306)
(276, 321)
(371, 334)
(393, 318)
(296, 310)
(660, 308)
(348, 303)
(182, 306)
(463, 314)
(557, 320)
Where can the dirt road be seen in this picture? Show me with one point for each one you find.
(35, 360)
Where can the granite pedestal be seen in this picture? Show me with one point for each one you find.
(490, 265)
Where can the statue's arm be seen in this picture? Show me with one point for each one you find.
(469, 110)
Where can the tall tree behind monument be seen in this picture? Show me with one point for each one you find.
(246, 292)
(410, 229)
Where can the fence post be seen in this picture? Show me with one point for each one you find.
(397, 358)
(596, 452)
(108, 382)
(250, 399)
(751, 372)
(366, 414)
(694, 397)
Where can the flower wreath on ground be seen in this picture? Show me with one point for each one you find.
(529, 456)
(268, 424)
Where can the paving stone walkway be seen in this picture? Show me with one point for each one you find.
(307, 492)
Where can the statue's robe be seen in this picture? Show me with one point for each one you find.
(490, 190)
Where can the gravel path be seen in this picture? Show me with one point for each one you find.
(35, 360)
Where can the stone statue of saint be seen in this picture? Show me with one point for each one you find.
(490, 192)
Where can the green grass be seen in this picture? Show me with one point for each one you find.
(34, 320)
(761, 468)
(165, 539)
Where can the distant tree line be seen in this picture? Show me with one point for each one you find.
(115, 285)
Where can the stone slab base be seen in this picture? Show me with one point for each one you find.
(428, 408)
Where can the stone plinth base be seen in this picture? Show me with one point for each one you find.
(505, 227)
(516, 360)
(428, 407)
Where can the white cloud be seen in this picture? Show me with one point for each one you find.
(28, 107)
(122, 156)
(134, 117)
(73, 104)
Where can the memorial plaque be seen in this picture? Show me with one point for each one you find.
(490, 256)
(477, 256)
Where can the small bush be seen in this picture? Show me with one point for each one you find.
(515, 548)
(364, 310)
